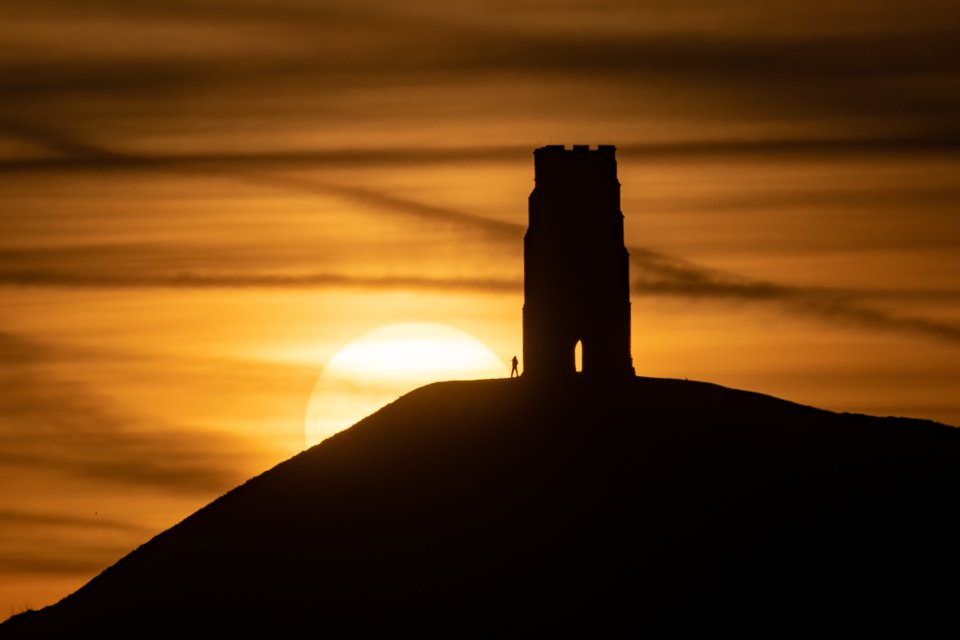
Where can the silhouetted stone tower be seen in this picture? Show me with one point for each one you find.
(576, 269)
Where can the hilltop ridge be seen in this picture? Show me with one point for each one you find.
(653, 504)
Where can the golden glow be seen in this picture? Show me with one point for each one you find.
(191, 227)
(385, 363)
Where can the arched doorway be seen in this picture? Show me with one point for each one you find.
(578, 356)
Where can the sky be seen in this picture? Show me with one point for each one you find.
(203, 201)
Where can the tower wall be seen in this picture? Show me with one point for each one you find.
(576, 267)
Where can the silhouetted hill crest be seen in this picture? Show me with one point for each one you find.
(655, 505)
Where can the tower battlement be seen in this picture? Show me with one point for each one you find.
(578, 148)
(576, 269)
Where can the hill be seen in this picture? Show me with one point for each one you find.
(656, 505)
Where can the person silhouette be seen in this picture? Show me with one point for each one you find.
(515, 364)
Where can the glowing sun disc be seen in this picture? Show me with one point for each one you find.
(381, 365)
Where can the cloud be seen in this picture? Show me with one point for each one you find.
(802, 72)
(653, 274)
(56, 425)
(659, 274)
(199, 280)
(237, 69)
(85, 561)
(14, 517)
(390, 203)
(79, 157)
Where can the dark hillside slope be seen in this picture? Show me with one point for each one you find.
(660, 505)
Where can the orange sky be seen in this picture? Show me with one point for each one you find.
(202, 201)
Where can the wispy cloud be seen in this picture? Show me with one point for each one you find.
(78, 157)
(882, 73)
(62, 427)
(386, 202)
(199, 280)
(654, 274)
(17, 517)
(70, 560)
(892, 74)
(663, 275)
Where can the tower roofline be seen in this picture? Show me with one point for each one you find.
(577, 148)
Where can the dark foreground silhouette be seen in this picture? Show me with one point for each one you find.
(658, 506)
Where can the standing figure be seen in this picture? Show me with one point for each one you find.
(515, 364)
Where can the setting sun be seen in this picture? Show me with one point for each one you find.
(381, 365)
